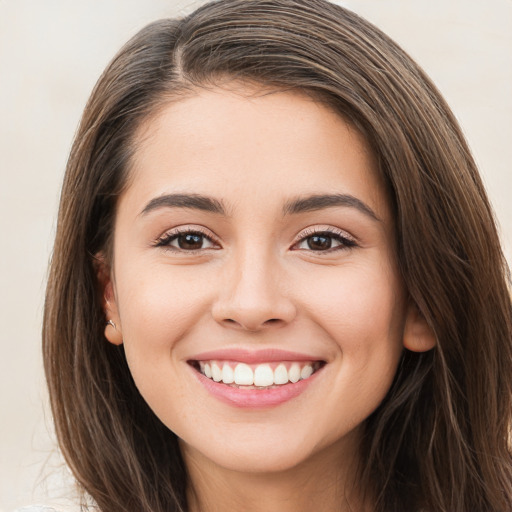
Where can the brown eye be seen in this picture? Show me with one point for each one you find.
(186, 241)
(190, 241)
(325, 241)
(319, 242)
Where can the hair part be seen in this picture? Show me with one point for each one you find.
(440, 441)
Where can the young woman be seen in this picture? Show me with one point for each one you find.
(276, 282)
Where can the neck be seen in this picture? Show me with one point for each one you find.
(320, 483)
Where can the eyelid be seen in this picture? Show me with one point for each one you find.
(164, 239)
(348, 240)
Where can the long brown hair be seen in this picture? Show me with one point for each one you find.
(440, 441)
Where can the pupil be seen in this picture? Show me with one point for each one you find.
(319, 242)
(190, 241)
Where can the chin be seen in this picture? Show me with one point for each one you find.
(267, 451)
(256, 460)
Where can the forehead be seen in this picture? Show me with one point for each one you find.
(244, 144)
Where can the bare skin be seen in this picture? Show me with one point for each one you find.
(257, 223)
(311, 486)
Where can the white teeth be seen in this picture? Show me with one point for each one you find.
(244, 375)
(216, 373)
(306, 372)
(228, 376)
(294, 373)
(263, 375)
(280, 374)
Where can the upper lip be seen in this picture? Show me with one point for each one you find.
(253, 356)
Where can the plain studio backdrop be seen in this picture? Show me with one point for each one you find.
(51, 54)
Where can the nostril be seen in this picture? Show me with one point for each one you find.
(251, 326)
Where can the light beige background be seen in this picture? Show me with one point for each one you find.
(51, 53)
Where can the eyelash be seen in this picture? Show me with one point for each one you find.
(167, 238)
(345, 241)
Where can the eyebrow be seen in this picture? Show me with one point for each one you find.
(193, 201)
(295, 206)
(321, 201)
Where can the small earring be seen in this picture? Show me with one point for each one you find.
(110, 322)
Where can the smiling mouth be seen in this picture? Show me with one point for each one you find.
(256, 376)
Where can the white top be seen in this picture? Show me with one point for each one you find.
(36, 508)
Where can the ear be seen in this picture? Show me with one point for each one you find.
(418, 336)
(113, 332)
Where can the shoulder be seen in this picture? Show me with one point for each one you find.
(61, 507)
(36, 508)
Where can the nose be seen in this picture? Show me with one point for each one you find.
(252, 295)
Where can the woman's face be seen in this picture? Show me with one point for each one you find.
(255, 241)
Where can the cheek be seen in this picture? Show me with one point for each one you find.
(364, 315)
(362, 307)
(158, 305)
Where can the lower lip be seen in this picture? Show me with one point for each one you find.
(255, 398)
